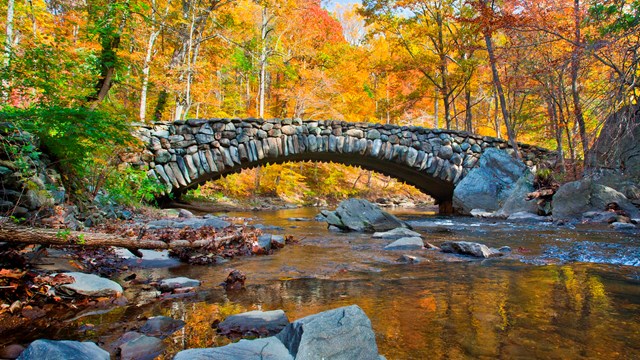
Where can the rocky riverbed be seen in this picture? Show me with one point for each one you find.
(404, 291)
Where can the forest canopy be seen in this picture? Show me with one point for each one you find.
(543, 72)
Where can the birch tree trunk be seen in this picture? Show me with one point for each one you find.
(8, 43)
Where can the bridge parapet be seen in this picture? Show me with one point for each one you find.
(183, 154)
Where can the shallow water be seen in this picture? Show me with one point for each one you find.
(563, 293)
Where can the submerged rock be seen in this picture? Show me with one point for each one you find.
(406, 243)
(469, 248)
(396, 233)
(161, 326)
(255, 323)
(90, 285)
(409, 259)
(260, 349)
(63, 350)
(339, 334)
(362, 216)
(488, 185)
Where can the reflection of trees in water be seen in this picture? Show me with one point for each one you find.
(464, 311)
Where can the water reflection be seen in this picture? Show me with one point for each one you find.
(438, 309)
(453, 311)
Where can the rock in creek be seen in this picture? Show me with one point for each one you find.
(90, 285)
(409, 259)
(161, 326)
(235, 280)
(396, 233)
(63, 350)
(362, 216)
(254, 323)
(517, 201)
(178, 282)
(525, 216)
(260, 349)
(136, 346)
(623, 226)
(469, 248)
(11, 351)
(490, 184)
(339, 334)
(578, 197)
(406, 243)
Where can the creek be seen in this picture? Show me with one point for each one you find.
(563, 292)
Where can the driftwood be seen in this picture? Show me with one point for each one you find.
(27, 235)
(542, 193)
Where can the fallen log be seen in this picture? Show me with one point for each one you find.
(12, 233)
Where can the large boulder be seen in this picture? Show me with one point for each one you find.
(339, 334)
(90, 285)
(575, 198)
(488, 185)
(255, 323)
(260, 349)
(63, 350)
(362, 216)
(517, 201)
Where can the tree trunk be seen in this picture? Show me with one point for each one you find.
(8, 43)
(468, 116)
(495, 115)
(500, 91)
(27, 235)
(557, 129)
(575, 91)
(264, 33)
(435, 111)
(145, 74)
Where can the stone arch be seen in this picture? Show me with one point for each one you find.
(184, 154)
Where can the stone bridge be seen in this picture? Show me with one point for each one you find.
(185, 154)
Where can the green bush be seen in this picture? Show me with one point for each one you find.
(132, 187)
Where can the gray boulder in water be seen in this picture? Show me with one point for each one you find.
(469, 248)
(254, 322)
(264, 349)
(90, 285)
(575, 198)
(517, 201)
(490, 184)
(406, 243)
(63, 350)
(362, 216)
(339, 334)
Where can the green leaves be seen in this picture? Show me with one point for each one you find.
(615, 18)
